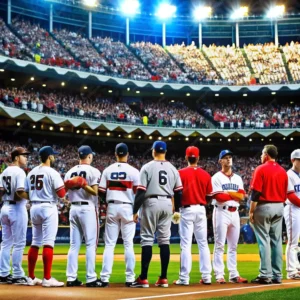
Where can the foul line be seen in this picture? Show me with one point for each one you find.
(210, 291)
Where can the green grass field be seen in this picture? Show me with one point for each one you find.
(247, 269)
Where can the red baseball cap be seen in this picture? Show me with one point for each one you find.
(192, 151)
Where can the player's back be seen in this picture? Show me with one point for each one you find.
(92, 176)
(12, 180)
(119, 181)
(43, 183)
(162, 178)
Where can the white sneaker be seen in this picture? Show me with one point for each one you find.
(294, 276)
(35, 281)
(180, 282)
(52, 282)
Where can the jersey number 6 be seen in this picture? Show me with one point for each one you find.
(162, 177)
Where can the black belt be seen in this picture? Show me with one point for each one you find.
(119, 202)
(157, 196)
(41, 202)
(185, 206)
(80, 203)
(10, 202)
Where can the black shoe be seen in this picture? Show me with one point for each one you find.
(75, 282)
(128, 284)
(6, 280)
(261, 280)
(20, 281)
(276, 280)
(97, 283)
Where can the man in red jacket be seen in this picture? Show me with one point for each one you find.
(196, 187)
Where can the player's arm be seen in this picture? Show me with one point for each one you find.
(218, 193)
(140, 194)
(93, 190)
(237, 196)
(294, 198)
(177, 200)
(22, 194)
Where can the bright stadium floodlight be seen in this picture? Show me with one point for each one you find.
(166, 11)
(130, 7)
(90, 3)
(276, 12)
(240, 13)
(202, 12)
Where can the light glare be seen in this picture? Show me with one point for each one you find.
(130, 7)
(166, 11)
(240, 13)
(202, 12)
(276, 12)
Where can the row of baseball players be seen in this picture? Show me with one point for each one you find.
(157, 190)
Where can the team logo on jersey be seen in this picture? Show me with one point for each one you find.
(230, 187)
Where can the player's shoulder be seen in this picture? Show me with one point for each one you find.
(217, 175)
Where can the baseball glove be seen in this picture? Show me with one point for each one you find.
(75, 183)
(176, 218)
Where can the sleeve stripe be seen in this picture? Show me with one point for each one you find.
(178, 188)
(140, 187)
(60, 188)
(290, 192)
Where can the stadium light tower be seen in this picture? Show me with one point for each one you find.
(165, 11)
(201, 13)
(238, 14)
(90, 4)
(8, 12)
(275, 13)
(129, 8)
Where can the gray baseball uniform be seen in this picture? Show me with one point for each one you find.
(160, 180)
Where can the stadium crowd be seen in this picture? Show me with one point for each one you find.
(253, 115)
(146, 61)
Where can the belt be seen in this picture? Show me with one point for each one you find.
(79, 203)
(229, 208)
(157, 196)
(185, 206)
(41, 202)
(270, 202)
(10, 202)
(118, 202)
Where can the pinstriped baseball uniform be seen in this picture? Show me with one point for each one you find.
(160, 180)
(14, 220)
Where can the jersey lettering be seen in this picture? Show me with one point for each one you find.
(37, 182)
(297, 188)
(7, 180)
(118, 176)
(230, 187)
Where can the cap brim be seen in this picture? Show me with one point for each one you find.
(94, 153)
(55, 153)
(25, 153)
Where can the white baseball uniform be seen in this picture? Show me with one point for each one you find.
(292, 221)
(119, 181)
(42, 184)
(83, 222)
(226, 224)
(14, 220)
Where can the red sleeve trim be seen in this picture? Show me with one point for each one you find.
(290, 192)
(222, 197)
(294, 199)
(242, 192)
(140, 187)
(178, 188)
(60, 188)
(61, 193)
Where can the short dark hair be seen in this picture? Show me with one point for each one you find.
(83, 156)
(271, 150)
(192, 160)
(44, 158)
(121, 156)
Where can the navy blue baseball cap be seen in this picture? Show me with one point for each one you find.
(85, 150)
(159, 147)
(121, 149)
(47, 151)
(224, 152)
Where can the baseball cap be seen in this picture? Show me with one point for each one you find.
(159, 147)
(121, 149)
(192, 151)
(18, 151)
(295, 154)
(47, 151)
(224, 152)
(85, 150)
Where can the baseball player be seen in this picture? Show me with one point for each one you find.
(159, 179)
(119, 182)
(292, 217)
(228, 190)
(43, 186)
(268, 193)
(196, 187)
(83, 217)
(14, 219)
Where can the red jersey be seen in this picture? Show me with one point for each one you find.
(196, 185)
(271, 180)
